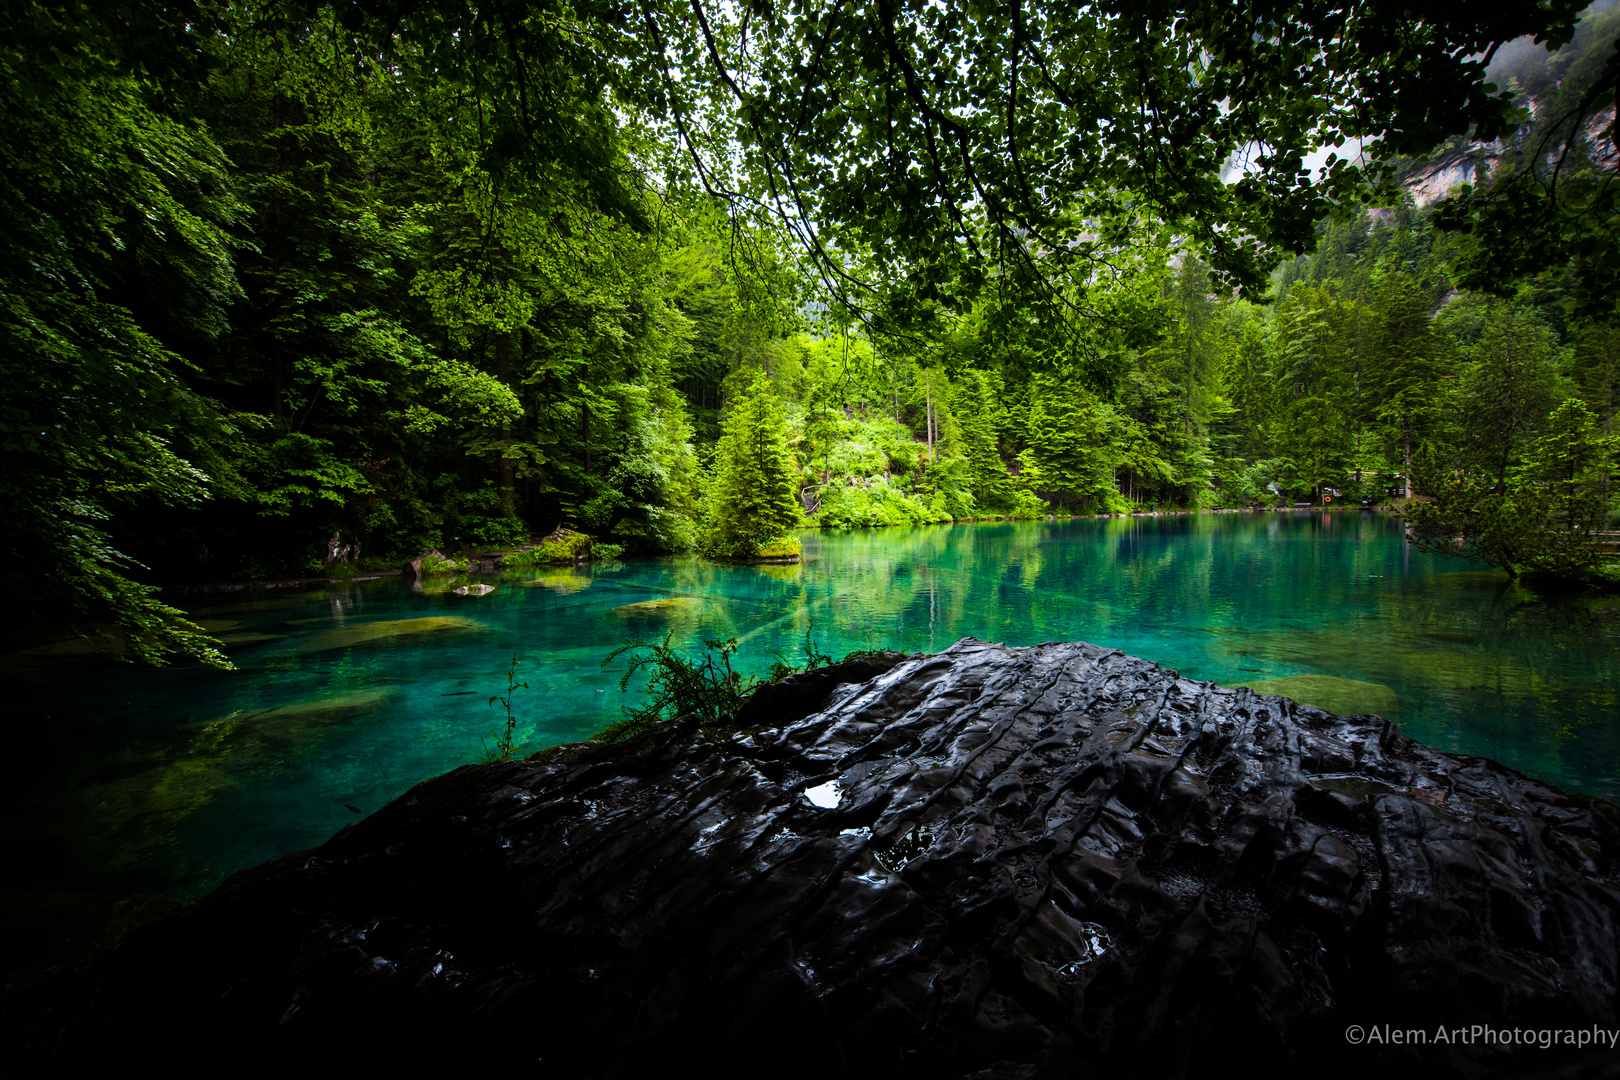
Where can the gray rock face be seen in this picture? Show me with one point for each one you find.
(1050, 861)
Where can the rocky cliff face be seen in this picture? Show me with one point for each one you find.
(1049, 861)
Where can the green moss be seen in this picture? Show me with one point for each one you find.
(784, 548)
(435, 564)
(564, 547)
(566, 582)
(665, 608)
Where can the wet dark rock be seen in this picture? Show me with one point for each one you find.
(1041, 862)
(796, 697)
(341, 550)
(412, 570)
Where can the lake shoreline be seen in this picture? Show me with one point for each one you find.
(488, 558)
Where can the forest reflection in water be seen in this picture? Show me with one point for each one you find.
(166, 781)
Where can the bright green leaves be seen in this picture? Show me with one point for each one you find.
(465, 396)
(299, 471)
(113, 251)
(467, 305)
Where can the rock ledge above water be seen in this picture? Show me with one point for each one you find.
(1049, 861)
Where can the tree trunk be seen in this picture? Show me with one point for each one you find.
(503, 365)
(928, 397)
(1406, 466)
(1187, 404)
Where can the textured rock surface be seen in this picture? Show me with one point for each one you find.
(1052, 861)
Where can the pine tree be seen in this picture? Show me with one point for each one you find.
(752, 507)
(973, 402)
(1411, 362)
(1069, 454)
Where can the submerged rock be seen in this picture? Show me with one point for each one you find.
(281, 728)
(1050, 861)
(219, 626)
(248, 640)
(135, 800)
(388, 632)
(51, 663)
(565, 581)
(241, 606)
(654, 609)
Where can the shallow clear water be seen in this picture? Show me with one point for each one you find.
(131, 781)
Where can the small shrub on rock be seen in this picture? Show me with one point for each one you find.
(563, 547)
(433, 564)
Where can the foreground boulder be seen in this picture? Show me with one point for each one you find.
(1050, 861)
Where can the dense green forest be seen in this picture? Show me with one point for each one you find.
(300, 288)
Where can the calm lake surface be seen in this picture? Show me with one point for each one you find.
(128, 781)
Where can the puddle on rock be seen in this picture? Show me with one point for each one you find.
(825, 795)
(912, 845)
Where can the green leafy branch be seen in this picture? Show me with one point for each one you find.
(707, 688)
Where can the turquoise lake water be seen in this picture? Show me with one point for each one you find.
(139, 781)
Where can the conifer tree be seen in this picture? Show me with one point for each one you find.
(753, 505)
(1411, 365)
(974, 403)
(1069, 454)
